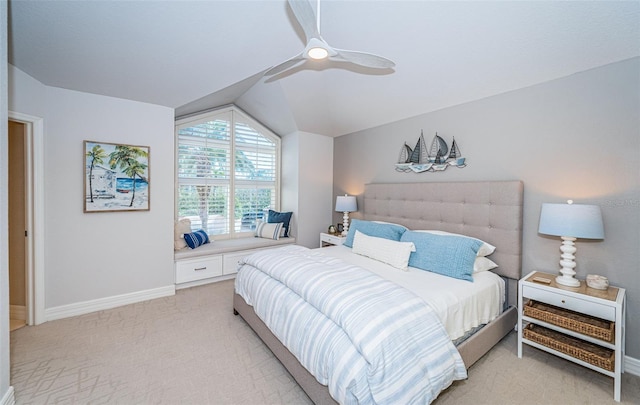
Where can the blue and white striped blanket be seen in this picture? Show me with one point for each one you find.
(368, 339)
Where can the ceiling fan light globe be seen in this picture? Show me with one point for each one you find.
(318, 53)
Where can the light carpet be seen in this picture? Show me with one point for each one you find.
(191, 349)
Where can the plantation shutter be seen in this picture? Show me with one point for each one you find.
(204, 172)
(255, 174)
(221, 195)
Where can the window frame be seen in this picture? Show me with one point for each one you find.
(244, 118)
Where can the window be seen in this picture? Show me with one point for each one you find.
(221, 195)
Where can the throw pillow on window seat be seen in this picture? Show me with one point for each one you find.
(197, 238)
(284, 217)
(181, 227)
(268, 230)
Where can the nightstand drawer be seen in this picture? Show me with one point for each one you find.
(198, 269)
(328, 239)
(607, 312)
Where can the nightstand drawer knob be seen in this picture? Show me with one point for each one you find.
(563, 301)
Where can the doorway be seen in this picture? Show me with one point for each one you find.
(26, 219)
(17, 226)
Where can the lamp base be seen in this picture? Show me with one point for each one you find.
(567, 262)
(345, 223)
(569, 281)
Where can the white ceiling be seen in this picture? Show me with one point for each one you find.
(193, 55)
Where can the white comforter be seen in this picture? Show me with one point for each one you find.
(460, 305)
(368, 339)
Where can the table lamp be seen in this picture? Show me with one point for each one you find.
(570, 221)
(346, 204)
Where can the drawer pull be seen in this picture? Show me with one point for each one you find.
(200, 268)
(563, 301)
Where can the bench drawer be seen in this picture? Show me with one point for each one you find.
(198, 269)
(231, 260)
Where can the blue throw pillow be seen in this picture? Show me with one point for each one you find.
(448, 255)
(284, 217)
(197, 238)
(375, 229)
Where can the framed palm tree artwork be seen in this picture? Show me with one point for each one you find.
(116, 177)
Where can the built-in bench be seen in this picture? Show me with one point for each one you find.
(217, 260)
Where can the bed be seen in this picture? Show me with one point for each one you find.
(489, 211)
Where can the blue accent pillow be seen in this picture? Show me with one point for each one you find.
(197, 238)
(284, 217)
(448, 255)
(375, 229)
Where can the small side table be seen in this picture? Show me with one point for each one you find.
(326, 239)
(608, 305)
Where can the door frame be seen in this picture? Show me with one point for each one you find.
(34, 155)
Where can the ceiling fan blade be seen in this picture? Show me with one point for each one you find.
(363, 59)
(318, 48)
(285, 65)
(306, 17)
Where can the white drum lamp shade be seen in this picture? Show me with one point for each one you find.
(570, 221)
(346, 204)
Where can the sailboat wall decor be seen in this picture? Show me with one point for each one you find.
(436, 159)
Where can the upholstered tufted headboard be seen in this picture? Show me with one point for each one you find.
(490, 210)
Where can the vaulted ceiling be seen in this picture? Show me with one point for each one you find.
(194, 55)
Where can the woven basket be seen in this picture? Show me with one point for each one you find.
(579, 349)
(587, 325)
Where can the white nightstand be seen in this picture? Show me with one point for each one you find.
(590, 321)
(327, 239)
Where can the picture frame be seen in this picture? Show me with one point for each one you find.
(116, 177)
(340, 228)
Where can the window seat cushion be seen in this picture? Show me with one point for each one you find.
(230, 245)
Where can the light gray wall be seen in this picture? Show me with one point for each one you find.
(573, 138)
(307, 182)
(290, 179)
(316, 185)
(5, 368)
(99, 255)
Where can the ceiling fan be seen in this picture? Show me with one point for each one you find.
(318, 49)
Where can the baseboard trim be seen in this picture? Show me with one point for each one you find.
(8, 398)
(18, 312)
(82, 308)
(632, 366)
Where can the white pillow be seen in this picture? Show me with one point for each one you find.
(391, 223)
(268, 230)
(384, 250)
(485, 250)
(483, 264)
(180, 228)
